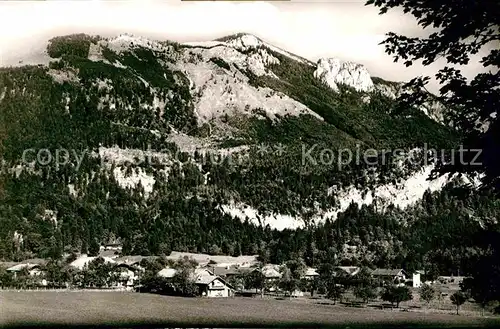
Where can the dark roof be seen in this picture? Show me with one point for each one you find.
(387, 272)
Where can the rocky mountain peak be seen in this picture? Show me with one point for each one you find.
(244, 41)
(333, 71)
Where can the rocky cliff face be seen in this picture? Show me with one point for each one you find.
(332, 72)
(254, 105)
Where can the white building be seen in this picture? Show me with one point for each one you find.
(417, 283)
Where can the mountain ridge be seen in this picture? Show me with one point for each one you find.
(255, 109)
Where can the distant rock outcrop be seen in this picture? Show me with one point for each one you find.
(332, 72)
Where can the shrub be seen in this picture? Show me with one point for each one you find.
(427, 293)
(396, 295)
(458, 298)
(365, 293)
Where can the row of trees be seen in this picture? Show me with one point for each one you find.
(429, 235)
(58, 274)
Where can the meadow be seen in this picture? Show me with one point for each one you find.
(128, 309)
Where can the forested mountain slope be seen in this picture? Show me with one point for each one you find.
(201, 147)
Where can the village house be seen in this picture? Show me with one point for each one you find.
(33, 270)
(228, 272)
(128, 276)
(214, 286)
(204, 259)
(31, 267)
(113, 245)
(272, 274)
(311, 273)
(6, 265)
(390, 276)
(108, 253)
(84, 260)
(209, 285)
(443, 279)
(167, 272)
(110, 250)
(347, 270)
(134, 262)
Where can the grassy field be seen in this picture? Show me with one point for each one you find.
(437, 305)
(60, 308)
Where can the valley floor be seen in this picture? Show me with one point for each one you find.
(59, 308)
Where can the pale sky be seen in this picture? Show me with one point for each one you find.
(312, 29)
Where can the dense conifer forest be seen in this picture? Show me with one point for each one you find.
(182, 212)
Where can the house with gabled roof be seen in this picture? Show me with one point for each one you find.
(348, 270)
(167, 272)
(209, 285)
(271, 272)
(84, 260)
(311, 273)
(32, 269)
(214, 286)
(128, 276)
(392, 276)
(33, 266)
